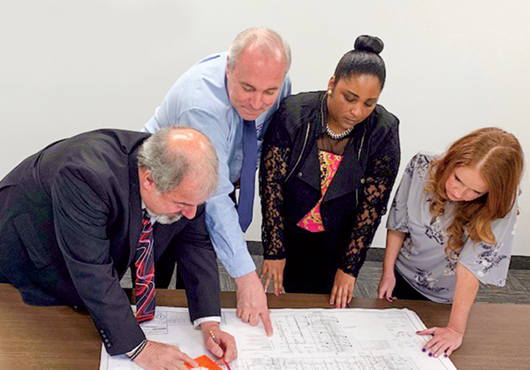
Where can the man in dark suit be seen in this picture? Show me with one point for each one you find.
(71, 220)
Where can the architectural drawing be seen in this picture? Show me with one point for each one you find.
(304, 339)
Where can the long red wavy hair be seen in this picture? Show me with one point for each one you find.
(499, 158)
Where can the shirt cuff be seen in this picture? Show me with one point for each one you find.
(198, 322)
(131, 352)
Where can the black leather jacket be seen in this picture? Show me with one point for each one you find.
(358, 194)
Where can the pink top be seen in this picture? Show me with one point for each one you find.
(329, 163)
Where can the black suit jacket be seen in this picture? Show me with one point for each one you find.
(70, 220)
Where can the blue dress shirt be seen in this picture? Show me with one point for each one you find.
(199, 99)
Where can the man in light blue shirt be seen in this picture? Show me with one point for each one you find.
(216, 96)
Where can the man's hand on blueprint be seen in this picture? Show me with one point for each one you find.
(252, 301)
(273, 269)
(220, 344)
(342, 291)
(445, 341)
(163, 356)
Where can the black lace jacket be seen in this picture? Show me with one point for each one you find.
(357, 196)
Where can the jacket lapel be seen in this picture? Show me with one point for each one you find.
(348, 176)
(309, 171)
(135, 207)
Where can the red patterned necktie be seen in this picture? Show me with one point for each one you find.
(144, 286)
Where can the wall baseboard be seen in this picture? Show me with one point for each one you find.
(376, 254)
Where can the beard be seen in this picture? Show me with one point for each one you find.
(164, 219)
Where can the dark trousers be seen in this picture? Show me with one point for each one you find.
(311, 261)
(164, 270)
(3, 279)
(403, 290)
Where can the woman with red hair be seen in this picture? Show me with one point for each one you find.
(451, 226)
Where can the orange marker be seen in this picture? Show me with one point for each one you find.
(206, 362)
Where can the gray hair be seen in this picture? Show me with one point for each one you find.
(169, 165)
(265, 38)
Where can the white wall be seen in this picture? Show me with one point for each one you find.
(69, 66)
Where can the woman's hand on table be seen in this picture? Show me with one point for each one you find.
(342, 292)
(386, 286)
(444, 341)
(273, 270)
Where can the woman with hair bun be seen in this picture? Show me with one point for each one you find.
(451, 225)
(329, 162)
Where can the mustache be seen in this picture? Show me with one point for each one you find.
(164, 219)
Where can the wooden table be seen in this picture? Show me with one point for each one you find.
(61, 338)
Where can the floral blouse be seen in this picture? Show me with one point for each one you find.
(422, 260)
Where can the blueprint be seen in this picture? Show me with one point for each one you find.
(304, 339)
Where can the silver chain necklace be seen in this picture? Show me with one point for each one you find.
(335, 136)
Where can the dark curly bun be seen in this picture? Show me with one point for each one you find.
(371, 44)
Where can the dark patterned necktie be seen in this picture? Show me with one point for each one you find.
(144, 286)
(248, 173)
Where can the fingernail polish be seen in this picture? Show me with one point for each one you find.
(430, 354)
(445, 355)
(423, 349)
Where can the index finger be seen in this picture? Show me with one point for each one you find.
(431, 343)
(429, 331)
(267, 323)
(214, 348)
(230, 351)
